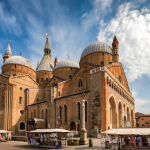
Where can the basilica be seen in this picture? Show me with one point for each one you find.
(53, 92)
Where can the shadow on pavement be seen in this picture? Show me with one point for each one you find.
(30, 147)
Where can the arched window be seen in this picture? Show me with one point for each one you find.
(80, 83)
(37, 100)
(60, 113)
(31, 114)
(42, 114)
(78, 110)
(22, 126)
(59, 93)
(20, 100)
(85, 111)
(69, 76)
(65, 113)
(46, 117)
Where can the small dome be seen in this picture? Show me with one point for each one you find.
(19, 60)
(67, 63)
(96, 47)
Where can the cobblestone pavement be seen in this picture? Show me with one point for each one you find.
(17, 145)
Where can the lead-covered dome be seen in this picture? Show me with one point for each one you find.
(96, 47)
(67, 63)
(19, 60)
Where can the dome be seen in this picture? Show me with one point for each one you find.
(19, 60)
(96, 47)
(67, 63)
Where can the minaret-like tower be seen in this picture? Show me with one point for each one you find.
(115, 47)
(55, 61)
(44, 69)
(7, 53)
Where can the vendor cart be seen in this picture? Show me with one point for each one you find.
(5, 135)
(48, 138)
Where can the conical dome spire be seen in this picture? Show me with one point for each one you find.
(47, 49)
(8, 50)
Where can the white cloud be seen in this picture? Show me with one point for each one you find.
(134, 93)
(132, 29)
(142, 105)
(100, 8)
(8, 22)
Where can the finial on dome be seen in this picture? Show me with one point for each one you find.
(47, 35)
(20, 53)
(47, 47)
(68, 56)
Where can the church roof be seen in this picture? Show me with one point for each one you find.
(46, 64)
(96, 47)
(19, 60)
(67, 63)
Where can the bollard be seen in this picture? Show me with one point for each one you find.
(90, 143)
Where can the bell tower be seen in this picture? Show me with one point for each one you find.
(7, 53)
(115, 47)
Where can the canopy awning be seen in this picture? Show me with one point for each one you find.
(3, 131)
(50, 131)
(128, 131)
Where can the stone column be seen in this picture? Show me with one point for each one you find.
(83, 133)
(83, 115)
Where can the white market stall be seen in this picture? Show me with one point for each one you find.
(51, 138)
(135, 137)
(5, 135)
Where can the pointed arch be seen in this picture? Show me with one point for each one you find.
(111, 95)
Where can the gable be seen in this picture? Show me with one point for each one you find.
(86, 67)
(54, 80)
(24, 80)
(117, 70)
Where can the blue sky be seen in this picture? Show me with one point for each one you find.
(74, 24)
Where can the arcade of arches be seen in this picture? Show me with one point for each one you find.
(119, 113)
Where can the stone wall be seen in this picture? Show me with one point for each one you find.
(95, 102)
(17, 70)
(65, 72)
(97, 58)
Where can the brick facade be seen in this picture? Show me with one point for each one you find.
(57, 98)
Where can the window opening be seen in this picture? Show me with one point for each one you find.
(20, 100)
(22, 126)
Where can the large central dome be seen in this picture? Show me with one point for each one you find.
(96, 47)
